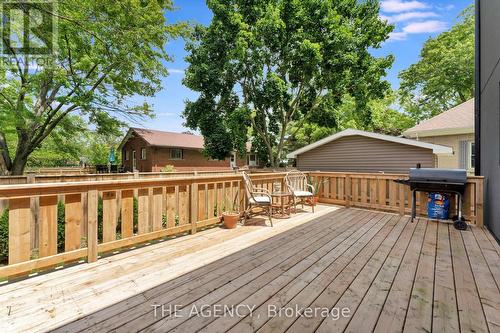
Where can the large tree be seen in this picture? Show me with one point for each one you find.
(384, 118)
(108, 52)
(444, 75)
(269, 63)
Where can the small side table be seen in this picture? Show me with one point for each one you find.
(281, 202)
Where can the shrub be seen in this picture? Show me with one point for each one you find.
(60, 226)
(4, 236)
(168, 168)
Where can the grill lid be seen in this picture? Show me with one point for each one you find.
(430, 175)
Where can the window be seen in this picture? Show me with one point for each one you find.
(176, 154)
(252, 157)
(143, 153)
(127, 155)
(472, 155)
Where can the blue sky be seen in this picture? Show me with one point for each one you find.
(415, 21)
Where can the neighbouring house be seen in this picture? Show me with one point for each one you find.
(359, 151)
(148, 150)
(453, 128)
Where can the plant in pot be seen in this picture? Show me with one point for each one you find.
(230, 214)
(317, 183)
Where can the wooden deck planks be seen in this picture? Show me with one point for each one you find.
(219, 268)
(394, 311)
(348, 293)
(445, 316)
(392, 275)
(299, 276)
(260, 275)
(470, 312)
(419, 314)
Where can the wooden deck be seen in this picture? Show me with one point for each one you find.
(344, 269)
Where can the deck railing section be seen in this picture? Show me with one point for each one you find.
(73, 221)
(380, 192)
(54, 223)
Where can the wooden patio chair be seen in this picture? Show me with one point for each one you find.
(299, 187)
(256, 197)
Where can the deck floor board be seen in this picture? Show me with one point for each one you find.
(392, 275)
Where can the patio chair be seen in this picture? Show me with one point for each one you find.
(299, 187)
(256, 197)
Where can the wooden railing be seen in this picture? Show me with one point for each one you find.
(380, 192)
(102, 216)
(54, 223)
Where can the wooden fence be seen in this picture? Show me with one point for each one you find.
(103, 216)
(380, 192)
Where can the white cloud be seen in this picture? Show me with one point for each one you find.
(418, 28)
(398, 6)
(394, 36)
(425, 27)
(408, 16)
(175, 71)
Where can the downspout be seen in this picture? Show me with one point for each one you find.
(477, 100)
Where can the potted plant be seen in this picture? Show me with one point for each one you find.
(230, 214)
(316, 182)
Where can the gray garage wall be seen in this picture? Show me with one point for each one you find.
(488, 97)
(361, 154)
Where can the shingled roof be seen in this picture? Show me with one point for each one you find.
(165, 139)
(457, 120)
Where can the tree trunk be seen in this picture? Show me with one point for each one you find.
(23, 151)
(18, 166)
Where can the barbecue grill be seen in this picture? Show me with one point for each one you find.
(437, 180)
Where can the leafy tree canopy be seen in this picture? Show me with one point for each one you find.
(107, 52)
(385, 119)
(444, 75)
(270, 63)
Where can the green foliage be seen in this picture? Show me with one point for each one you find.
(4, 236)
(444, 75)
(136, 216)
(268, 64)
(382, 118)
(60, 225)
(108, 53)
(168, 168)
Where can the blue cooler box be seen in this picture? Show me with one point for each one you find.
(438, 206)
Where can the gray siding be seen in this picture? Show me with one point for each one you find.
(361, 154)
(489, 106)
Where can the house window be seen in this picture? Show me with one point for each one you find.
(252, 160)
(127, 155)
(472, 150)
(176, 154)
(143, 153)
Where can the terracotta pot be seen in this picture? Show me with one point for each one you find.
(313, 201)
(230, 220)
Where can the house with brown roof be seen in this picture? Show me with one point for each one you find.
(453, 128)
(148, 150)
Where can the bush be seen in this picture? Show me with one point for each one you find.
(168, 168)
(4, 236)
(60, 226)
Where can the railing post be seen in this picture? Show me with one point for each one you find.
(348, 188)
(480, 202)
(92, 226)
(193, 203)
(401, 200)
